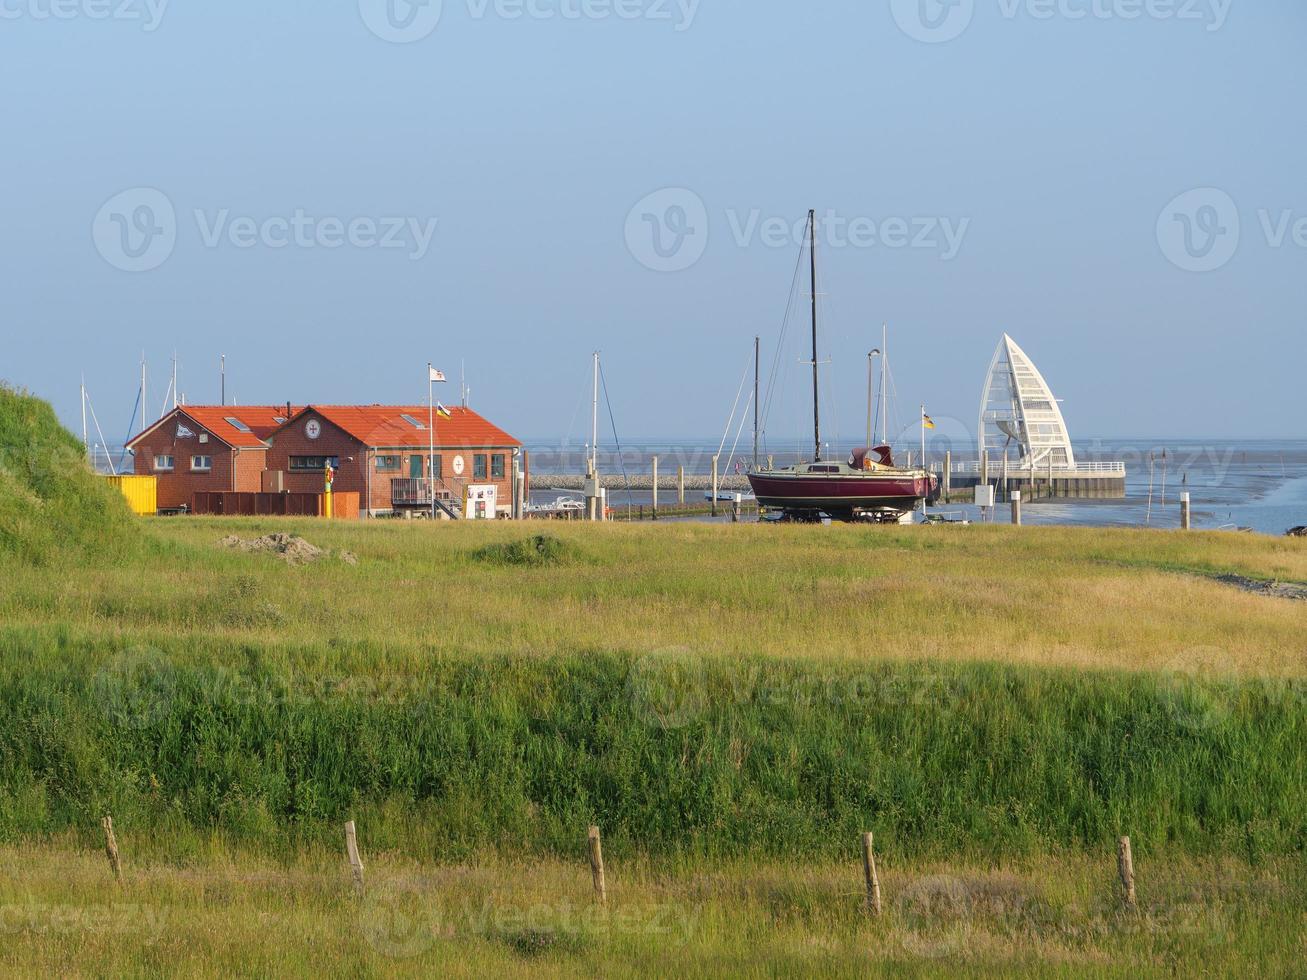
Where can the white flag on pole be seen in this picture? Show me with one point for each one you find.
(436, 375)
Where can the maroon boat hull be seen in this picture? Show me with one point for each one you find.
(840, 493)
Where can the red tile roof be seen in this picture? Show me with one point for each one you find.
(261, 420)
(384, 426)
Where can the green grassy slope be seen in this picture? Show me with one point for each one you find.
(670, 754)
(696, 690)
(52, 507)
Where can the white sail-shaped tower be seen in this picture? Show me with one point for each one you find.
(1019, 417)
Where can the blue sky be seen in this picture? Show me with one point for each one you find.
(356, 189)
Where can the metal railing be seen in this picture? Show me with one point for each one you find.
(416, 492)
(996, 469)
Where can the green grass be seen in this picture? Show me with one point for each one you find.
(670, 753)
(51, 507)
(989, 700)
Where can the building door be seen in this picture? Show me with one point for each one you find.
(415, 467)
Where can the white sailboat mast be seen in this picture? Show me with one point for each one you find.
(884, 387)
(594, 419)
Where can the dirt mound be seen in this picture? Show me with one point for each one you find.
(290, 548)
(1278, 590)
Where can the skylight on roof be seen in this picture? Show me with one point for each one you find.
(238, 425)
(413, 422)
(279, 419)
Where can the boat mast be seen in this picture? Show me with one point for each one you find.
(142, 391)
(594, 420)
(884, 390)
(816, 411)
(86, 442)
(757, 348)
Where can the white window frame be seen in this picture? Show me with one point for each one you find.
(201, 469)
(162, 467)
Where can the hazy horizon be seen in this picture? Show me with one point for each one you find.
(334, 197)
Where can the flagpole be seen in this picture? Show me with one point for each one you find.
(431, 436)
(923, 437)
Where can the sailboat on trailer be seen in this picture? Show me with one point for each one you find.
(866, 486)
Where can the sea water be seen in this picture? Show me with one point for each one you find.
(1260, 484)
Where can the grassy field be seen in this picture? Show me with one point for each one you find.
(733, 704)
(61, 914)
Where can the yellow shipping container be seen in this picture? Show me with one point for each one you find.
(142, 493)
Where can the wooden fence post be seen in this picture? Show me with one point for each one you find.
(111, 848)
(869, 872)
(1125, 865)
(355, 862)
(597, 865)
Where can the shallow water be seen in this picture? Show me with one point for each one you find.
(1257, 484)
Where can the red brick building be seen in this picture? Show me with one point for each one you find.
(381, 452)
(205, 447)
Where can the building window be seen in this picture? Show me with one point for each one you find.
(479, 466)
(201, 464)
(497, 466)
(389, 464)
(163, 464)
(238, 425)
(314, 462)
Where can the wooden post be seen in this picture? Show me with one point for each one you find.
(1186, 516)
(597, 865)
(111, 848)
(355, 862)
(1016, 507)
(655, 488)
(736, 506)
(1126, 866)
(680, 485)
(713, 508)
(869, 872)
(948, 474)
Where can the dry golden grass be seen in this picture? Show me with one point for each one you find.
(61, 914)
(1087, 598)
